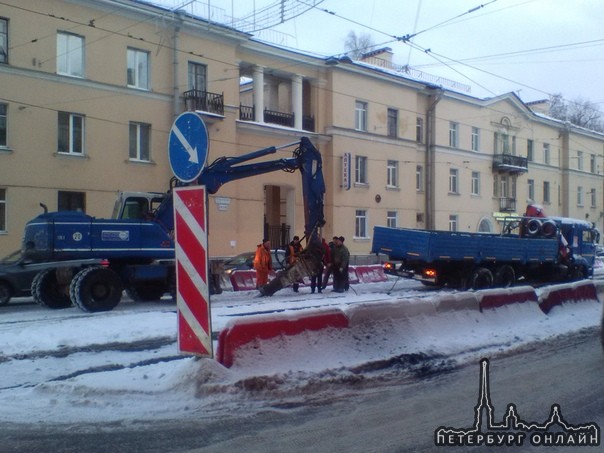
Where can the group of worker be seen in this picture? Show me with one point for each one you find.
(334, 262)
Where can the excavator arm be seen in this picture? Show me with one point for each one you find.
(307, 160)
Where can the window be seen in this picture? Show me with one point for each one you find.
(419, 178)
(593, 198)
(71, 133)
(453, 222)
(360, 227)
(530, 153)
(505, 145)
(453, 132)
(72, 201)
(546, 194)
(419, 130)
(360, 171)
(546, 153)
(475, 139)
(360, 117)
(579, 196)
(392, 123)
(391, 219)
(475, 183)
(197, 76)
(2, 209)
(70, 55)
(453, 180)
(3, 40)
(579, 160)
(531, 189)
(138, 69)
(3, 109)
(592, 163)
(139, 148)
(503, 186)
(392, 177)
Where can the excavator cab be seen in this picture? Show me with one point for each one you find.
(136, 205)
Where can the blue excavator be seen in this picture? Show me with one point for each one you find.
(90, 261)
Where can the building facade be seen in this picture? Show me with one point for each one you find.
(89, 91)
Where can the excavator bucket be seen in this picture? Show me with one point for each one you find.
(308, 264)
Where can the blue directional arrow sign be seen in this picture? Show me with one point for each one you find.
(188, 146)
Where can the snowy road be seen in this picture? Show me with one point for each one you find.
(88, 372)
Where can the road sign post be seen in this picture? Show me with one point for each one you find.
(192, 288)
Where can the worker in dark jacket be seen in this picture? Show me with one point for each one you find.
(340, 259)
(329, 264)
(292, 253)
(316, 280)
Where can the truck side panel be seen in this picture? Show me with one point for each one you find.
(430, 246)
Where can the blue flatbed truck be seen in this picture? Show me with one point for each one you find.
(530, 249)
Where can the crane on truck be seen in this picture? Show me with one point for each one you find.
(531, 248)
(90, 261)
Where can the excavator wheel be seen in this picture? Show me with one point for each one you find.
(96, 289)
(47, 291)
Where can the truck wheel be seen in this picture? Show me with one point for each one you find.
(505, 276)
(577, 273)
(96, 289)
(5, 293)
(145, 293)
(481, 278)
(47, 291)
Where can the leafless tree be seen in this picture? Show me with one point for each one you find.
(580, 112)
(357, 45)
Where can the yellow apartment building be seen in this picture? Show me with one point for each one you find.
(89, 91)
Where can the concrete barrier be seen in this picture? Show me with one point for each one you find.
(370, 273)
(372, 312)
(499, 297)
(458, 301)
(581, 291)
(242, 331)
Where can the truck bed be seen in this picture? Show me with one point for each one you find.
(430, 246)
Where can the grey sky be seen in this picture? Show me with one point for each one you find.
(532, 47)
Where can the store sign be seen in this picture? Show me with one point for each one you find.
(346, 171)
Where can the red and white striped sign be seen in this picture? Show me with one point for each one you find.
(192, 289)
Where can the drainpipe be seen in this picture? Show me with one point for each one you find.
(565, 167)
(434, 96)
(175, 40)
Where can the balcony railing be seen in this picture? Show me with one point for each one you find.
(280, 118)
(246, 113)
(507, 204)
(510, 163)
(204, 101)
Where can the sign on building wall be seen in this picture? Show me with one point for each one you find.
(346, 158)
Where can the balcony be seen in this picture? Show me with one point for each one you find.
(246, 113)
(204, 101)
(510, 163)
(507, 204)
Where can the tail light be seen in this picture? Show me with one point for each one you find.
(429, 273)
